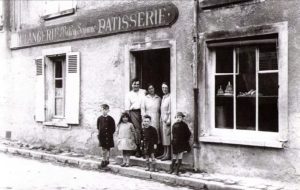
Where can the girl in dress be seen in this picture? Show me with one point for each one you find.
(126, 138)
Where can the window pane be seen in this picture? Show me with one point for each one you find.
(268, 57)
(224, 60)
(246, 88)
(58, 69)
(224, 102)
(268, 102)
(59, 92)
(245, 113)
(58, 83)
(246, 71)
(59, 106)
(268, 114)
(268, 84)
(64, 5)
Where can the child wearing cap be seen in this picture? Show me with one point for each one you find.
(180, 142)
(106, 127)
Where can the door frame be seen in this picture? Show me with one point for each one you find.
(130, 65)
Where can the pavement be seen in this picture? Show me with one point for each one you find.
(189, 179)
(18, 173)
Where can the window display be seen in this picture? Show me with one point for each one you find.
(246, 87)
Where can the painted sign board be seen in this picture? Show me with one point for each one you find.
(95, 25)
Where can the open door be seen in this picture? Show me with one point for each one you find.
(153, 67)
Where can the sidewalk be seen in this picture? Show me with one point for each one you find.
(193, 180)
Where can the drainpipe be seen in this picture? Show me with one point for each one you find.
(196, 144)
(5, 62)
(6, 20)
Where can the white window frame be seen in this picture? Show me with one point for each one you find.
(246, 137)
(71, 88)
(55, 8)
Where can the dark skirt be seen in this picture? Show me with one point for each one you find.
(128, 152)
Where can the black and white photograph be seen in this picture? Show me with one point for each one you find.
(150, 94)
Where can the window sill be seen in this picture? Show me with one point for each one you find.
(56, 124)
(210, 4)
(58, 14)
(226, 140)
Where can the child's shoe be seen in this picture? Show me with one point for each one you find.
(127, 165)
(148, 166)
(123, 164)
(102, 163)
(106, 163)
(172, 168)
(153, 168)
(178, 167)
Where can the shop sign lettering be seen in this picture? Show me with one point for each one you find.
(94, 25)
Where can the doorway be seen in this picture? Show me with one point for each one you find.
(153, 67)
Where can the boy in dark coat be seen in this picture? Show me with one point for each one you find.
(106, 127)
(149, 142)
(180, 141)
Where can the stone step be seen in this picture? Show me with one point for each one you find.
(161, 165)
(189, 179)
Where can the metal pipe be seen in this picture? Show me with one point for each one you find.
(6, 15)
(196, 120)
(195, 70)
(196, 145)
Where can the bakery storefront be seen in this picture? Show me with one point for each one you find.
(74, 60)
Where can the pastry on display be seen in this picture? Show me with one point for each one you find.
(220, 91)
(229, 89)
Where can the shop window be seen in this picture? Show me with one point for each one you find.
(57, 89)
(246, 87)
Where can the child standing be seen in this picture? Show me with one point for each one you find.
(106, 127)
(180, 141)
(149, 142)
(126, 136)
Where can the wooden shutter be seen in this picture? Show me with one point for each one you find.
(40, 89)
(72, 88)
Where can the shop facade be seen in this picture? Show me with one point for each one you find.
(231, 65)
(66, 62)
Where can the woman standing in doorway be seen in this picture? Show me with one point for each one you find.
(151, 106)
(165, 120)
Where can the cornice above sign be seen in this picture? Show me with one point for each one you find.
(97, 24)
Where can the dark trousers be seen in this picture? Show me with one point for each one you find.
(136, 118)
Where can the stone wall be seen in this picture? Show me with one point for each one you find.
(253, 161)
(102, 74)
